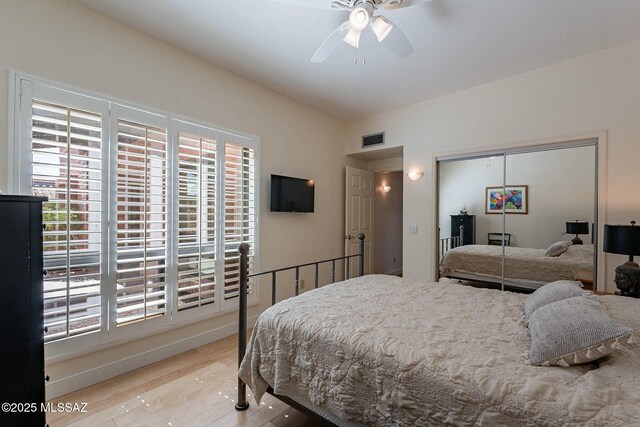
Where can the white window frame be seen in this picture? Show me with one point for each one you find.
(25, 88)
(146, 326)
(204, 132)
(33, 91)
(228, 305)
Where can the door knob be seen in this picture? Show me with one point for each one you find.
(349, 237)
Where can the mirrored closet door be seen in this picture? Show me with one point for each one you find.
(519, 219)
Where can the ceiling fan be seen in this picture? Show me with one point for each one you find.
(361, 17)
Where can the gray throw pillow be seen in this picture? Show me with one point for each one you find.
(557, 249)
(551, 292)
(574, 331)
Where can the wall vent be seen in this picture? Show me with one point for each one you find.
(373, 139)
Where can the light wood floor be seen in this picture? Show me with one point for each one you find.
(195, 388)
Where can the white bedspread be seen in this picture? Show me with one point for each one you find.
(522, 265)
(381, 350)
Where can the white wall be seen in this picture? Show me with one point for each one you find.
(68, 43)
(385, 165)
(561, 187)
(597, 92)
(387, 224)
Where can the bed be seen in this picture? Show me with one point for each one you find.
(524, 267)
(382, 350)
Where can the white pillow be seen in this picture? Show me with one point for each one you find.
(558, 248)
(551, 292)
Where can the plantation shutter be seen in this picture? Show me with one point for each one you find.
(239, 212)
(197, 191)
(142, 216)
(66, 167)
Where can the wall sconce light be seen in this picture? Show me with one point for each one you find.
(386, 188)
(415, 175)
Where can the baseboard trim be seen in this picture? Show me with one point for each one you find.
(394, 272)
(104, 372)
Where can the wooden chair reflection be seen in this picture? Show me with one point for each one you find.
(497, 239)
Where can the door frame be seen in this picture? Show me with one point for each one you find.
(364, 159)
(374, 246)
(599, 139)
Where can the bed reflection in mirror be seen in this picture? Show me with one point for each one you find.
(505, 219)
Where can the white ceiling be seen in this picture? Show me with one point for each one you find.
(458, 44)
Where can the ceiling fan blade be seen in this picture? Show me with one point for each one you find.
(316, 4)
(398, 4)
(397, 42)
(331, 43)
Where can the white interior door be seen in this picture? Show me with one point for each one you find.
(359, 216)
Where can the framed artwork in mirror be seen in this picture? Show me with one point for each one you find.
(513, 198)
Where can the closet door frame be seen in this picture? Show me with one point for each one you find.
(598, 140)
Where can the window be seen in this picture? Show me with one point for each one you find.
(66, 166)
(196, 221)
(239, 213)
(141, 239)
(144, 218)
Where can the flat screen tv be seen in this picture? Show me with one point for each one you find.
(291, 194)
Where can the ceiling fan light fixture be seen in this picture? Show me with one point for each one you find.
(353, 37)
(382, 27)
(359, 18)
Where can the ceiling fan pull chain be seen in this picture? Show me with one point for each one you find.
(364, 55)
